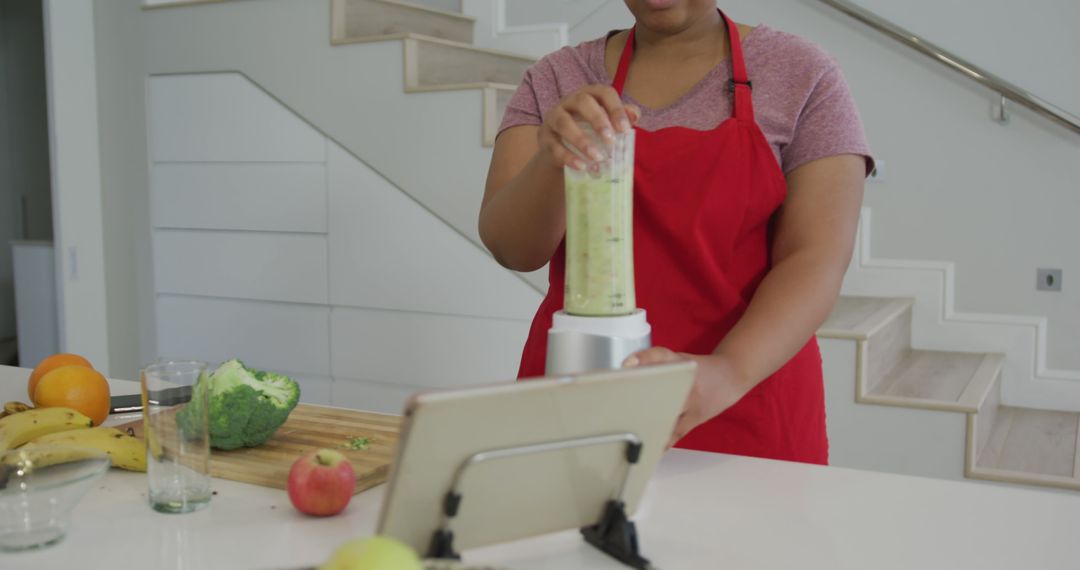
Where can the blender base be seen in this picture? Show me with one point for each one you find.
(579, 344)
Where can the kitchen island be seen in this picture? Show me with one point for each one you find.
(701, 511)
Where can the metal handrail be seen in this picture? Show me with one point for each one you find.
(1008, 90)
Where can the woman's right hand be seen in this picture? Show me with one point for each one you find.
(596, 105)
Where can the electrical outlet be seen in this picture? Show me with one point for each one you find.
(1048, 279)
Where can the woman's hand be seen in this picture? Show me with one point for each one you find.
(597, 105)
(717, 386)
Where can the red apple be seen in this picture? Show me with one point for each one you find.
(321, 483)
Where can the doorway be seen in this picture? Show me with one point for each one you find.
(25, 200)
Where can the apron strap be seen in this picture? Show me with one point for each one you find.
(624, 62)
(739, 84)
(740, 81)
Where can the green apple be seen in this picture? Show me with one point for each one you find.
(375, 553)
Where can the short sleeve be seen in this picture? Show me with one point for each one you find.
(524, 106)
(547, 81)
(827, 125)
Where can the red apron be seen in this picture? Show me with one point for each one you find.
(703, 207)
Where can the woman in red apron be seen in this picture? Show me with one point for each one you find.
(735, 263)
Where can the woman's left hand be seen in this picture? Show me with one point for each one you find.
(717, 386)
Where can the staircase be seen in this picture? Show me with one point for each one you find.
(439, 55)
(1003, 443)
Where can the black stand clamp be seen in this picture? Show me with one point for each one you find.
(616, 535)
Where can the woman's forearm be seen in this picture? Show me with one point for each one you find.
(523, 220)
(814, 239)
(786, 310)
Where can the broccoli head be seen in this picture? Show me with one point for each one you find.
(246, 406)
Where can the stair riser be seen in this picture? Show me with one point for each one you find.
(430, 64)
(985, 418)
(447, 5)
(373, 18)
(495, 101)
(885, 348)
(502, 99)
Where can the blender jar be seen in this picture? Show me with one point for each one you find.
(599, 231)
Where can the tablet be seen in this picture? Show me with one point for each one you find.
(528, 458)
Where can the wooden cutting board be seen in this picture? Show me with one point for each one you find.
(311, 427)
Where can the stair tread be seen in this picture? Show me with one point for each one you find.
(1032, 443)
(367, 18)
(951, 380)
(181, 4)
(432, 40)
(856, 318)
(463, 86)
(430, 9)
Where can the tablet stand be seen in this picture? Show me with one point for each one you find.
(614, 533)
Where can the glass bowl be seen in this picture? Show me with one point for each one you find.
(39, 488)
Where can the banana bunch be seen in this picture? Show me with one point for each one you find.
(126, 451)
(23, 427)
(49, 436)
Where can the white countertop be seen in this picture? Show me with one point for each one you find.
(701, 511)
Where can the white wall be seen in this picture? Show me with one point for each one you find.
(121, 77)
(25, 208)
(76, 177)
(526, 12)
(999, 201)
(1033, 44)
(491, 30)
(275, 245)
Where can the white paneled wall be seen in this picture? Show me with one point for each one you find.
(278, 336)
(220, 117)
(244, 265)
(274, 245)
(316, 389)
(221, 196)
(388, 252)
(371, 395)
(423, 349)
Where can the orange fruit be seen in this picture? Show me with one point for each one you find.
(51, 363)
(77, 387)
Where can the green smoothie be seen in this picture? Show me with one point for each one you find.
(599, 236)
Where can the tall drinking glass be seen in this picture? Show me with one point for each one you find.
(174, 398)
(600, 231)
